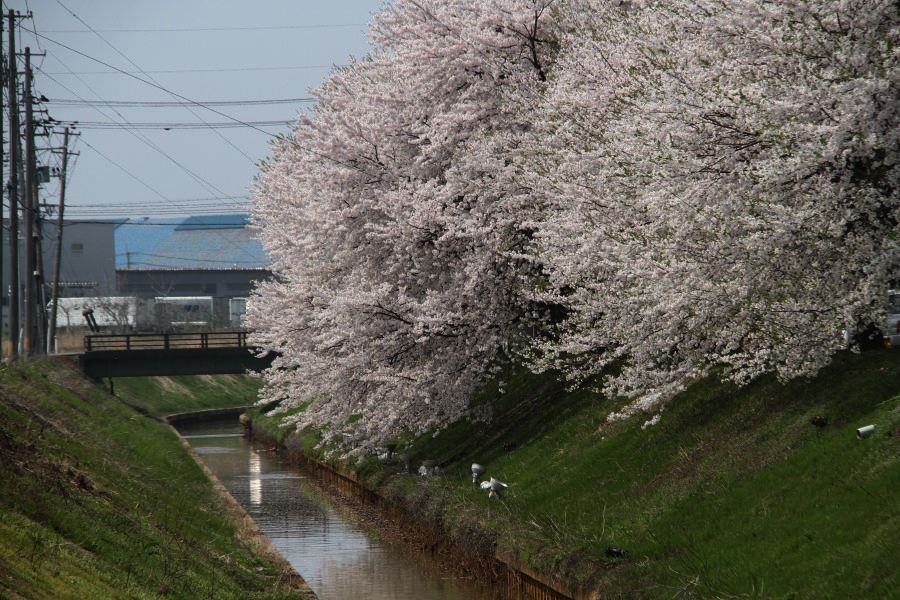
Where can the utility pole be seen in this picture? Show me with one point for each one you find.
(57, 259)
(28, 324)
(12, 350)
(40, 292)
(2, 87)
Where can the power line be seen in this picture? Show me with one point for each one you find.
(173, 208)
(185, 200)
(156, 210)
(127, 221)
(145, 209)
(157, 214)
(164, 104)
(127, 172)
(116, 71)
(138, 67)
(293, 142)
(141, 137)
(172, 268)
(224, 203)
(187, 258)
(34, 25)
(167, 126)
(199, 29)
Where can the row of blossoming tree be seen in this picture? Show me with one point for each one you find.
(675, 187)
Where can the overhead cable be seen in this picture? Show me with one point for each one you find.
(167, 126)
(127, 221)
(176, 200)
(185, 258)
(199, 29)
(293, 142)
(210, 188)
(251, 266)
(156, 210)
(165, 104)
(127, 172)
(116, 71)
(139, 68)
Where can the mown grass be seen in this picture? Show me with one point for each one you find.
(100, 501)
(734, 494)
(159, 396)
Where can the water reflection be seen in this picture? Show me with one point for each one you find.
(338, 559)
(255, 478)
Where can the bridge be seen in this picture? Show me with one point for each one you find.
(144, 354)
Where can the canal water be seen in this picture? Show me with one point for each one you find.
(339, 556)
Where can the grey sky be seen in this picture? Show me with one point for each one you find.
(284, 48)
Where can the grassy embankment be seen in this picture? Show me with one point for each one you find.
(100, 501)
(734, 494)
(157, 396)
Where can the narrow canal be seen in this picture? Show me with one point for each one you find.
(341, 557)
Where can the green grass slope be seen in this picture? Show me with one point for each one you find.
(733, 494)
(159, 396)
(100, 501)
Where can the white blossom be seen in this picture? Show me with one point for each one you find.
(645, 192)
(395, 222)
(725, 182)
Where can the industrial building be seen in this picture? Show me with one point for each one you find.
(87, 268)
(151, 274)
(213, 259)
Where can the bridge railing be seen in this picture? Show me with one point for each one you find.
(165, 341)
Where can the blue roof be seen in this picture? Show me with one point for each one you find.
(233, 221)
(207, 242)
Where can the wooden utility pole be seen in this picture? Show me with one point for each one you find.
(57, 259)
(12, 350)
(28, 323)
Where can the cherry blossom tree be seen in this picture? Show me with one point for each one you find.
(396, 224)
(696, 187)
(725, 181)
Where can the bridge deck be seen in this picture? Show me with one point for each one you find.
(164, 341)
(143, 354)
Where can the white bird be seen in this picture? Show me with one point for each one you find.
(477, 471)
(496, 488)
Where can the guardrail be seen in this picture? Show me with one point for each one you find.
(165, 341)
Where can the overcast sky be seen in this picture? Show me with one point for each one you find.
(208, 51)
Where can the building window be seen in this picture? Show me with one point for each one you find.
(77, 248)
